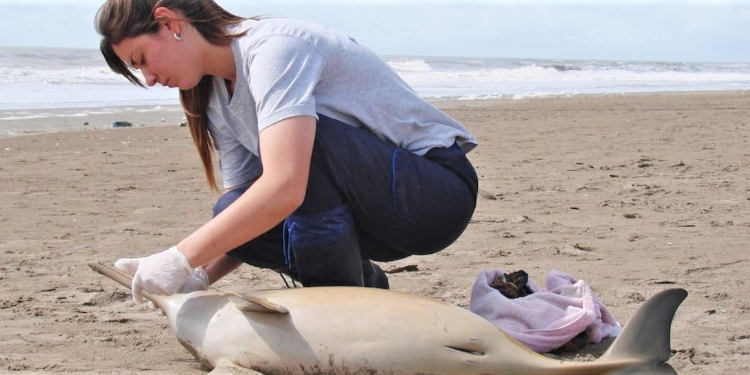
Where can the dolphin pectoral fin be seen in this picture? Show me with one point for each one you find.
(226, 367)
(256, 304)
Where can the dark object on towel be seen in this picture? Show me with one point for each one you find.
(512, 285)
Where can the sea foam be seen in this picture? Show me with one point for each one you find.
(39, 78)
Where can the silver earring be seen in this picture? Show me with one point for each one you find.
(178, 36)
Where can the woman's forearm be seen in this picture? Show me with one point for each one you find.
(259, 209)
(286, 148)
(217, 268)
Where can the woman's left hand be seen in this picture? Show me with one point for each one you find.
(160, 273)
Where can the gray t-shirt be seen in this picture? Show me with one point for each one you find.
(287, 68)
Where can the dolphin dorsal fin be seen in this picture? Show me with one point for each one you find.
(256, 304)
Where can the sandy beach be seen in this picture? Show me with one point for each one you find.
(632, 193)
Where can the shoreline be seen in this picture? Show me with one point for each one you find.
(21, 122)
(24, 122)
(632, 193)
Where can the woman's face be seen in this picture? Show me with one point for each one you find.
(162, 58)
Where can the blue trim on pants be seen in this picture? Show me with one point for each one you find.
(313, 230)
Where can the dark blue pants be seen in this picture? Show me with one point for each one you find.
(366, 200)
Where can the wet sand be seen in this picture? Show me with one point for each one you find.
(634, 194)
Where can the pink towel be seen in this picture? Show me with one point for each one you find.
(546, 319)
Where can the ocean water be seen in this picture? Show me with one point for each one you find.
(41, 78)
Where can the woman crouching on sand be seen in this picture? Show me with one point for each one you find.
(328, 159)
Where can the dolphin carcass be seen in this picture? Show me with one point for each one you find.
(352, 330)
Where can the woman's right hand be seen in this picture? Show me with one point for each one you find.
(198, 279)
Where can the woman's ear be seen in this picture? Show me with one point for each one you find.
(168, 17)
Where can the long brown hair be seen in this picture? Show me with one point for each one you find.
(120, 19)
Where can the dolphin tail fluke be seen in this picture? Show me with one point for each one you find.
(646, 335)
(123, 279)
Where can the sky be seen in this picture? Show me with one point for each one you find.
(640, 30)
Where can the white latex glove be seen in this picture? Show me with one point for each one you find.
(161, 273)
(198, 280)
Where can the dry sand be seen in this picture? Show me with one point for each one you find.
(633, 193)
